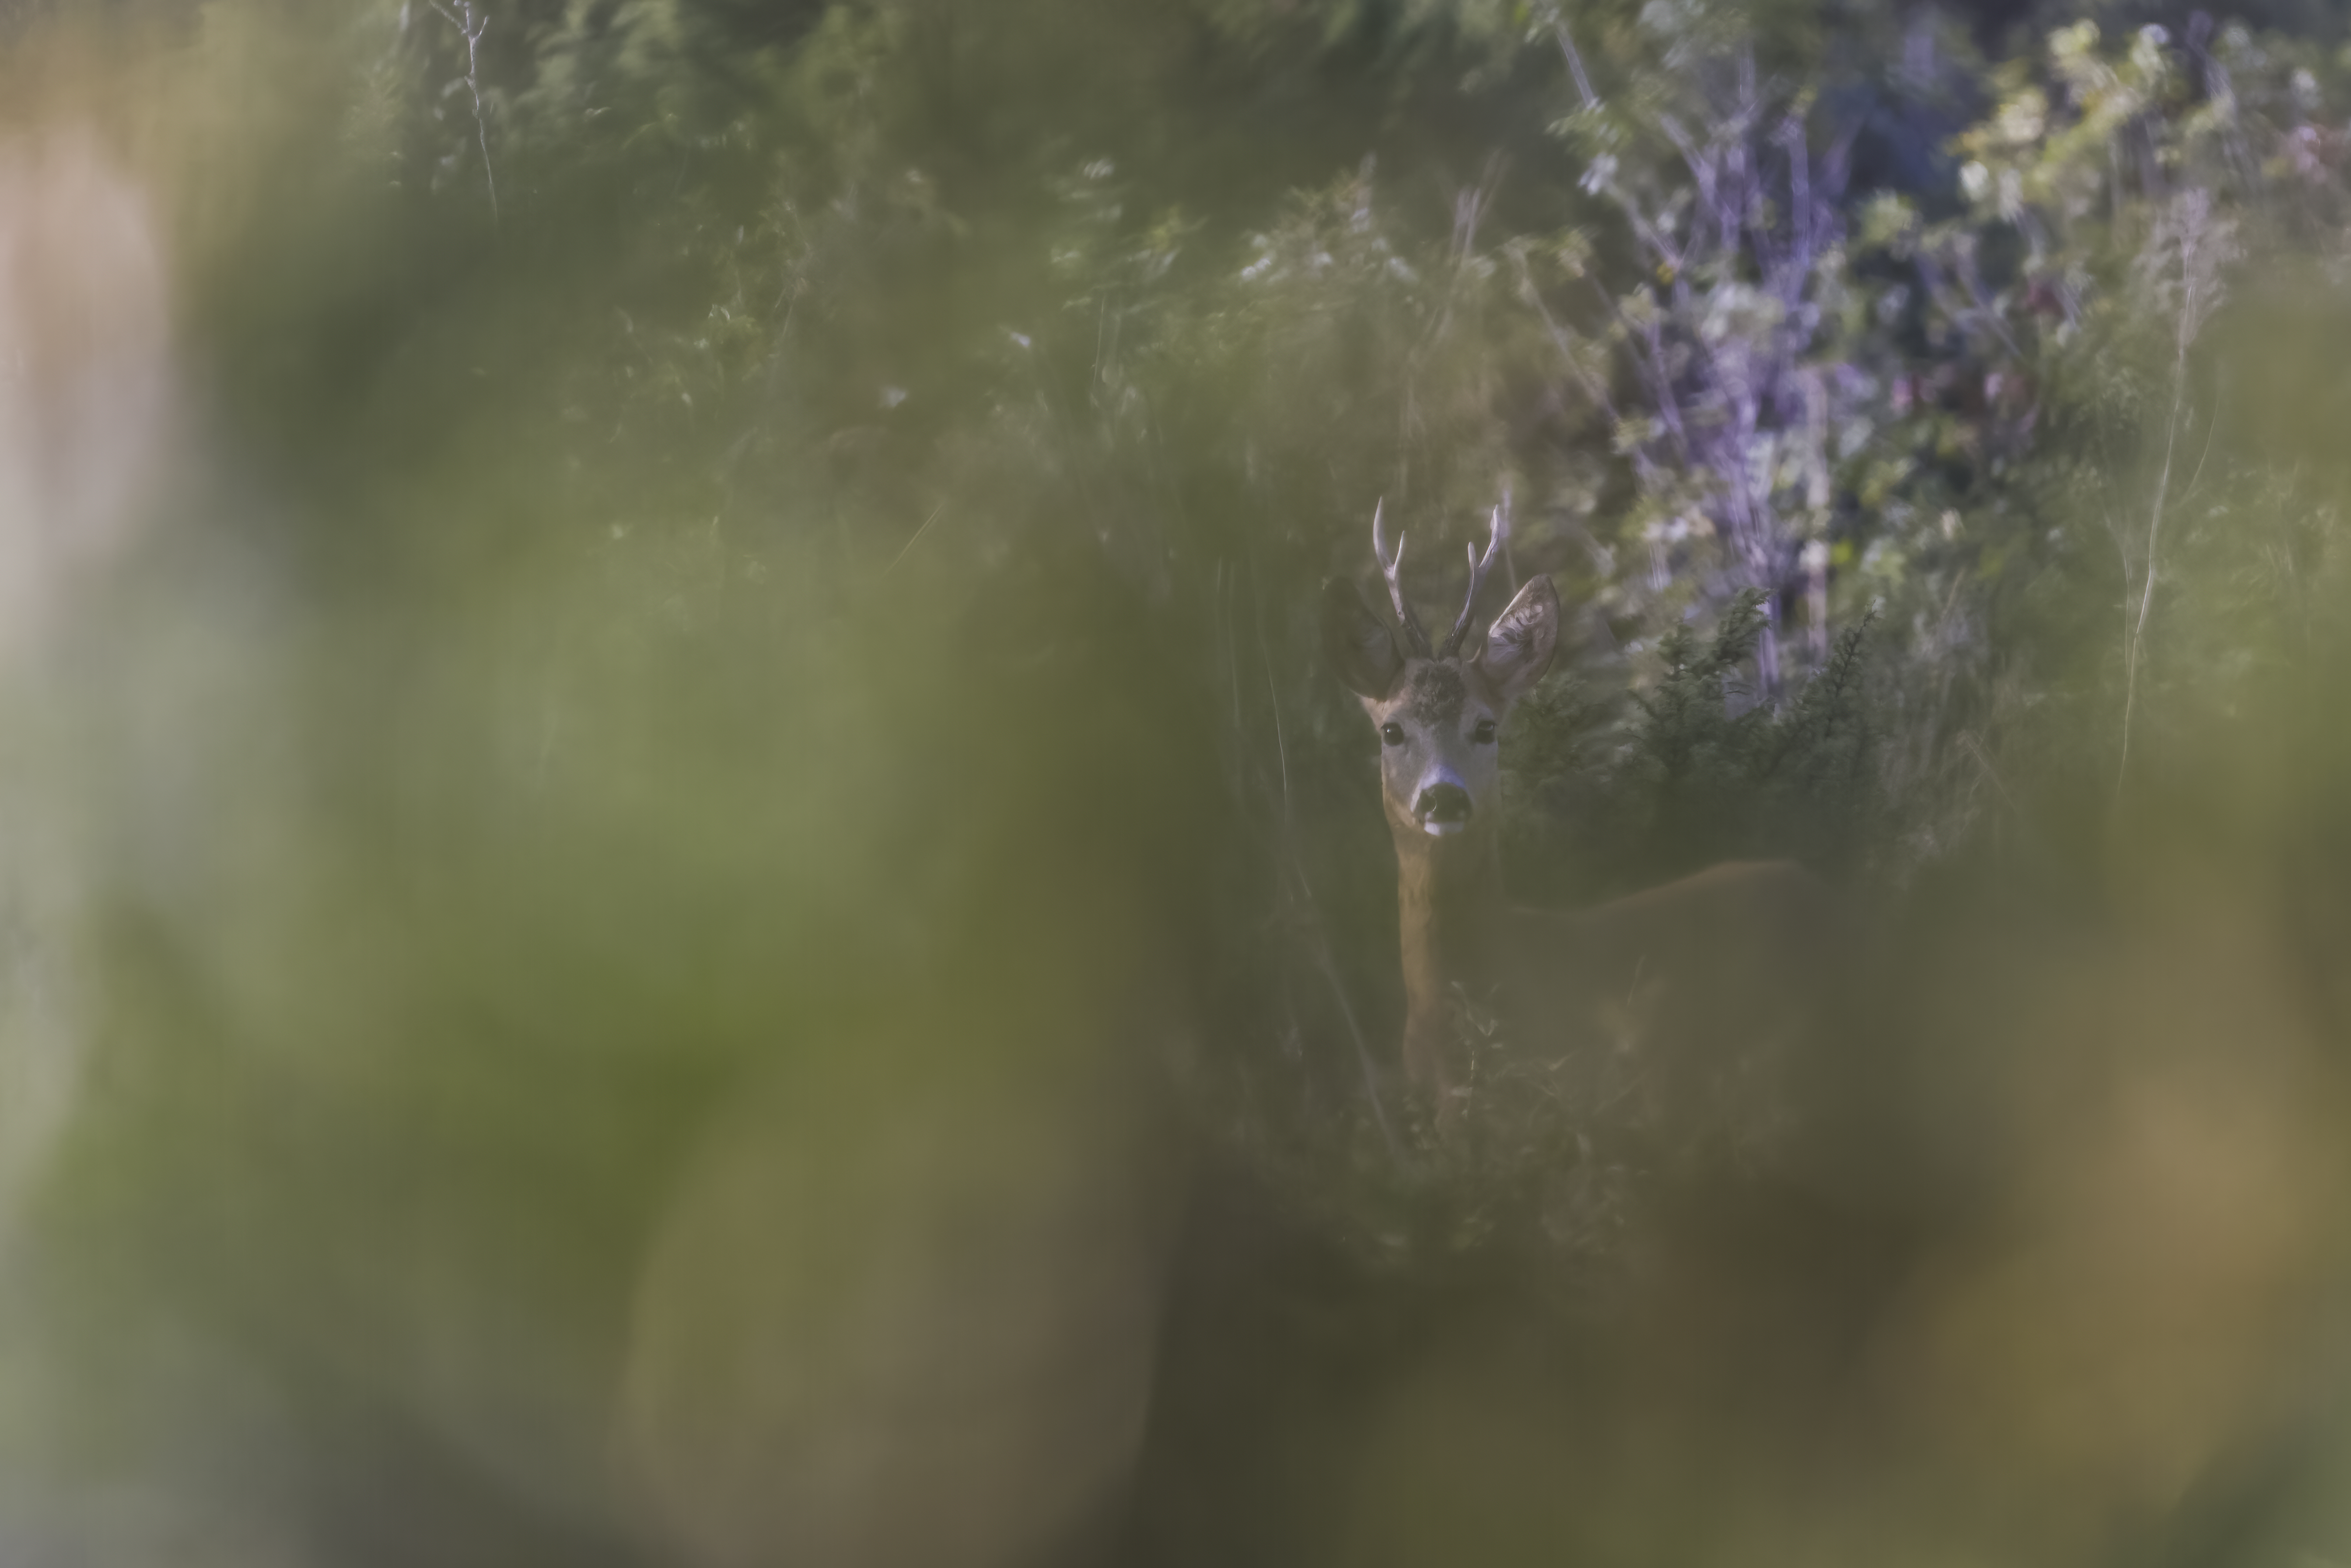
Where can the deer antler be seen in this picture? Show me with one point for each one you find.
(1389, 564)
(1478, 567)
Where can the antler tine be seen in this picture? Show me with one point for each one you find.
(1478, 567)
(1389, 565)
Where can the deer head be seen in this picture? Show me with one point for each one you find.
(1438, 710)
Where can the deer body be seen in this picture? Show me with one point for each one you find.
(1705, 975)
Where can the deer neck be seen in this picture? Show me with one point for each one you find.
(1451, 915)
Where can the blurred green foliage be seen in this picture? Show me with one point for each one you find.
(716, 742)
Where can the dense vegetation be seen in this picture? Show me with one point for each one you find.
(724, 687)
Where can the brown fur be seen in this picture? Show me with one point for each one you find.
(1706, 978)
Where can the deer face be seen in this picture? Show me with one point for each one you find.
(1440, 710)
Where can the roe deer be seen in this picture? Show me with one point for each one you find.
(1710, 969)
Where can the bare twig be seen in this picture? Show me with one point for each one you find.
(1594, 388)
(916, 538)
(1575, 64)
(1975, 749)
(1346, 1010)
(2190, 237)
(1289, 861)
(2135, 649)
(471, 29)
(1272, 694)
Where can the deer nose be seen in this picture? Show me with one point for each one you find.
(1443, 805)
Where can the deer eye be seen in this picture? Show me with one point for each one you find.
(1484, 733)
(1392, 733)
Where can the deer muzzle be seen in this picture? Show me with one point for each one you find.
(1443, 808)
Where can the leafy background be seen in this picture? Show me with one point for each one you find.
(717, 744)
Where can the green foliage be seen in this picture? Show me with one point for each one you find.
(1533, 1165)
(1692, 768)
(780, 318)
(808, 600)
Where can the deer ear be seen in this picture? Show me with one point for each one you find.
(1358, 644)
(1521, 640)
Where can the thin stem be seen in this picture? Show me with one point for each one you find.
(1593, 386)
(2138, 645)
(1575, 65)
(471, 29)
(916, 538)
